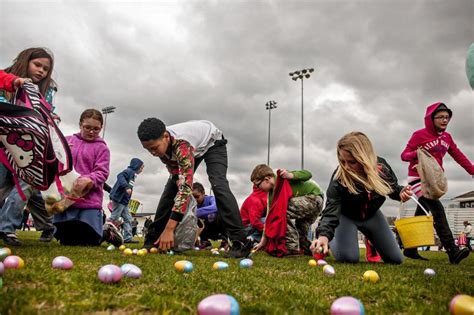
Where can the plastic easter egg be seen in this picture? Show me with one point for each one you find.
(4, 252)
(145, 251)
(183, 266)
(170, 252)
(13, 262)
(110, 274)
(462, 304)
(219, 304)
(122, 248)
(312, 263)
(2, 268)
(215, 251)
(127, 252)
(196, 248)
(322, 262)
(219, 265)
(371, 276)
(134, 251)
(111, 247)
(141, 253)
(153, 250)
(429, 272)
(131, 271)
(246, 263)
(329, 270)
(347, 305)
(62, 262)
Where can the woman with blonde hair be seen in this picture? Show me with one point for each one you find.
(357, 190)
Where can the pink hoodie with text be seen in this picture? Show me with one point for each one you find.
(436, 143)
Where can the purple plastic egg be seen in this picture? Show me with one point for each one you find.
(109, 274)
(219, 304)
(2, 268)
(62, 262)
(347, 305)
(131, 271)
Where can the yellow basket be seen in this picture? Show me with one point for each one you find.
(416, 231)
(133, 205)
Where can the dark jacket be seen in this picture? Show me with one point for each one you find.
(125, 180)
(359, 207)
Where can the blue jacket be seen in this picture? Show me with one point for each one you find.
(208, 209)
(125, 180)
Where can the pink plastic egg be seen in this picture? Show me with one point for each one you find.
(347, 305)
(13, 262)
(219, 304)
(62, 262)
(109, 274)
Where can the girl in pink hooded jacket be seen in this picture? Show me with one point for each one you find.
(434, 139)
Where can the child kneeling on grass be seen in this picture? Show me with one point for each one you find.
(294, 201)
(357, 190)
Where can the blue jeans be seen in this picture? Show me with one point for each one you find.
(120, 210)
(12, 211)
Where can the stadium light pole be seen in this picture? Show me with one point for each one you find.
(105, 111)
(269, 106)
(295, 75)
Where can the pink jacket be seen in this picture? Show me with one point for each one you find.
(90, 159)
(437, 144)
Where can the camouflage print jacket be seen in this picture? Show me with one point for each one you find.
(179, 161)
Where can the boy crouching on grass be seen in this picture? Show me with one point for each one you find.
(293, 196)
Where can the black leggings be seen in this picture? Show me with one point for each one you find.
(440, 221)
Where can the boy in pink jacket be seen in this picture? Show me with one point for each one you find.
(434, 139)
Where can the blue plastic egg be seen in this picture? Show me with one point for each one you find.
(219, 304)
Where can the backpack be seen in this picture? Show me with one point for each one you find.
(433, 181)
(31, 145)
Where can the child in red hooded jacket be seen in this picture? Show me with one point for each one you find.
(434, 139)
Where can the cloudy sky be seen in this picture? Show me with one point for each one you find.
(378, 65)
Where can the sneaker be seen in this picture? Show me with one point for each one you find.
(456, 255)
(46, 236)
(112, 234)
(413, 254)
(10, 239)
(131, 241)
(239, 249)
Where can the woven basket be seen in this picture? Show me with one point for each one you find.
(416, 231)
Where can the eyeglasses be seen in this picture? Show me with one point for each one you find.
(89, 128)
(443, 117)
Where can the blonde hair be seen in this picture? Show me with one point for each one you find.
(260, 172)
(359, 145)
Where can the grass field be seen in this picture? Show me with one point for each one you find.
(271, 286)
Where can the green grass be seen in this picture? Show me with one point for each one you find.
(271, 286)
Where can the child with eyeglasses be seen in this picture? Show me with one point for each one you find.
(82, 223)
(434, 139)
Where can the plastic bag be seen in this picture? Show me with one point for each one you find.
(74, 187)
(433, 181)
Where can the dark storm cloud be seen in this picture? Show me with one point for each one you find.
(378, 64)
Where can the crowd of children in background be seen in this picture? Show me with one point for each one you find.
(275, 217)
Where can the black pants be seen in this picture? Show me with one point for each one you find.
(228, 210)
(440, 221)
